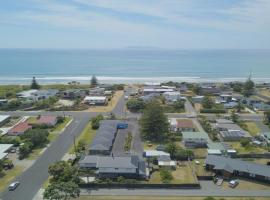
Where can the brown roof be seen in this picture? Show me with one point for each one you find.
(20, 128)
(184, 124)
(46, 120)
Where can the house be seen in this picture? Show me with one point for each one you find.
(95, 100)
(19, 129)
(195, 139)
(172, 96)
(97, 91)
(230, 105)
(47, 120)
(225, 98)
(4, 119)
(165, 161)
(230, 168)
(73, 94)
(183, 88)
(36, 95)
(149, 97)
(181, 125)
(157, 90)
(103, 142)
(197, 99)
(261, 106)
(154, 153)
(210, 90)
(3, 102)
(231, 131)
(4, 149)
(113, 167)
(215, 148)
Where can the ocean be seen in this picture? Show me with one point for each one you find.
(18, 66)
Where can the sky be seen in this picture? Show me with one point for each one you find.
(169, 24)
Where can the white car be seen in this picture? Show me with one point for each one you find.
(13, 185)
(233, 183)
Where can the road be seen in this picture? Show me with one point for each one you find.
(32, 179)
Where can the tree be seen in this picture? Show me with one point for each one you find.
(179, 105)
(135, 105)
(267, 116)
(62, 171)
(94, 81)
(183, 154)
(244, 142)
(248, 87)
(34, 84)
(171, 148)
(38, 137)
(196, 89)
(207, 102)
(234, 117)
(95, 121)
(25, 149)
(154, 123)
(62, 191)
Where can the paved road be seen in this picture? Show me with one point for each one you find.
(33, 178)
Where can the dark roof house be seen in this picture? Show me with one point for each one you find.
(229, 167)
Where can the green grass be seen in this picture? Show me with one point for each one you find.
(252, 128)
(8, 176)
(250, 149)
(32, 120)
(87, 136)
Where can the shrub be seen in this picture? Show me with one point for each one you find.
(166, 175)
(135, 105)
(95, 121)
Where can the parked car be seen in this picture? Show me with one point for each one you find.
(13, 185)
(233, 183)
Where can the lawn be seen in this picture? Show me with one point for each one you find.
(32, 120)
(248, 185)
(182, 174)
(115, 197)
(252, 128)
(265, 92)
(200, 152)
(7, 178)
(87, 136)
(199, 168)
(111, 104)
(250, 149)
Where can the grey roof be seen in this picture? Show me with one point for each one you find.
(216, 146)
(195, 135)
(105, 135)
(164, 158)
(229, 164)
(234, 134)
(109, 164)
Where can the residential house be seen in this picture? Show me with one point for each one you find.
(266, 136)
(210, 90)
(215, 148)
(149, 97)
(156, 90)
(3, 102)
(4, 149)
(230, 168)
(36, 95)
(73, 94)
(97, 91)
(113, 167)
(47, 120)
(195, 139)
(19, 129)
(154, 154)
(95, 100)
(165, 161)
(261, 106)
(230, 105)
(183, 88)
(197, 99)
(4, 119)
(231, 131)
(172, 96)
(103, 142)
(181, 125)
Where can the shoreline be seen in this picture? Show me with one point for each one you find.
(47, 80)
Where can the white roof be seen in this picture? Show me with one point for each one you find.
(27, 93)
(171, 93)
(214, 151)
(3, 155)
(93, 98)
(3, 117)
(154, 153)
(167, 163)
(5, 147)
(157, 90)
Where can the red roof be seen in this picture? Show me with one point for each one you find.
(47, 120)
(20, 128)
(185, 124)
